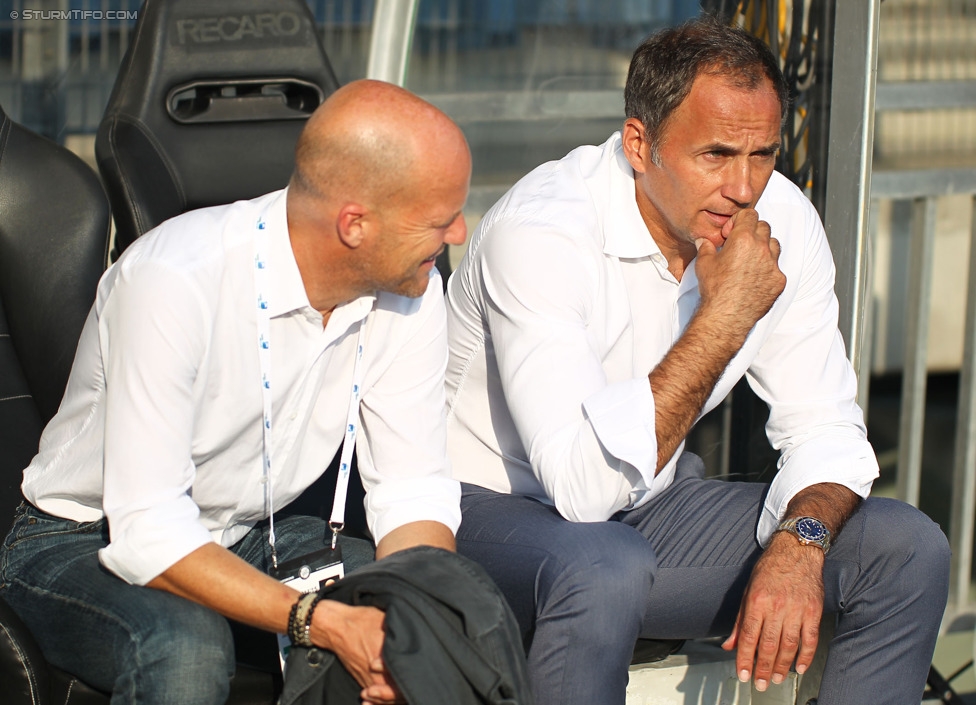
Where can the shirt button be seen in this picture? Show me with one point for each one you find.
(293, 415)
(658, 259)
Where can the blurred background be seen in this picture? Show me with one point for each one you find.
(882, 137)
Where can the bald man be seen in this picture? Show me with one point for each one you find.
(228, 341)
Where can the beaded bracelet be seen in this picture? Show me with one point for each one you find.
(292, 622)
(307, 628)
(300, 619)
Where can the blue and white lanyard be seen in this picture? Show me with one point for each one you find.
(337, 518)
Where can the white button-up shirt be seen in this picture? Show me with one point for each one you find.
(563, 305)
(160, 428)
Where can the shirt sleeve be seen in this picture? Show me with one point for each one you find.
(402, 452)
(803, 374)
(591, 443)
(152, 334)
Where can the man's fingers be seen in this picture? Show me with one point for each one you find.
(810, 635)
(744, 223)
(767, 653)
(774, 248)
(749, 632)
(789, 643)
(379, 694)
(766, 645)
(730, 643)
(745, 219)
(382, 690)
(729, 225)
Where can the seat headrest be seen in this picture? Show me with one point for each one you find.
(54, 233)
(207, 106)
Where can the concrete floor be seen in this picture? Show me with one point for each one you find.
(953, 652)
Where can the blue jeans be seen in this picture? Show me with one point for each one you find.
(142, 645)
(677, 567)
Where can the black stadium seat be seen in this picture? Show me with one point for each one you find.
(207, 106)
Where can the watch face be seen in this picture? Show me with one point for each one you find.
(810, 529)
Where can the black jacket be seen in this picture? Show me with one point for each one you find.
(450, 637)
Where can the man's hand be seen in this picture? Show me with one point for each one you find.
(743, 280)
(737, 287)
(779, 618)
(355, 635)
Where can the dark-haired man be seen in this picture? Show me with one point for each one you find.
(606, 303)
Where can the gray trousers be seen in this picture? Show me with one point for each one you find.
(677, 567)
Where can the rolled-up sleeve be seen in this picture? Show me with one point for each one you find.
(403, 449)
(591, 443)
(151, 338)
(804, 375)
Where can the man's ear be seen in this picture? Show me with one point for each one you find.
(636, 148)
(351, 224)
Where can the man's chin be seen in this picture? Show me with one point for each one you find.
(412, 289)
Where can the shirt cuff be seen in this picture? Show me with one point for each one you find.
(622, 416)
(842, 461)
(147, 542)
(395, 503)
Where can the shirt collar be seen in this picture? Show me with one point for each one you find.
(625, 234)
(286, 289)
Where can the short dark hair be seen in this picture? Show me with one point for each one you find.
(666, 64)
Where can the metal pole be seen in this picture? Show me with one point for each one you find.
(919, 285)
(848, 183)
(964, 470)
(389, 47)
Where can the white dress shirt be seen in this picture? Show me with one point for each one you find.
(160, 428)
(563, 305)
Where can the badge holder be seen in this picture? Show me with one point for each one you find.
(309, 573)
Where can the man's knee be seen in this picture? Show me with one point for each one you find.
(188, 656)
(906, 548)
(601, 576)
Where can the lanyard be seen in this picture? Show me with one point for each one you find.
(337, 518)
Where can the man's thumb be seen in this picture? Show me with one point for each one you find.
(705, 246)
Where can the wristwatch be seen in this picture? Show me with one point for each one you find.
(808, 531)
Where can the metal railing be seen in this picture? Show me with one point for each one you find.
(925, 151)
(923, 188)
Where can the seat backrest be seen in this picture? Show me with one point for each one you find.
(207, 106)
(54, 234)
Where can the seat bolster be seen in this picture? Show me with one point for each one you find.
(23, 670)
(68, 690)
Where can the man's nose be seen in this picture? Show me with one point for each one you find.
(457, 233)
(738, 185)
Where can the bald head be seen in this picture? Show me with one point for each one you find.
(368, 142)
(380, 182)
